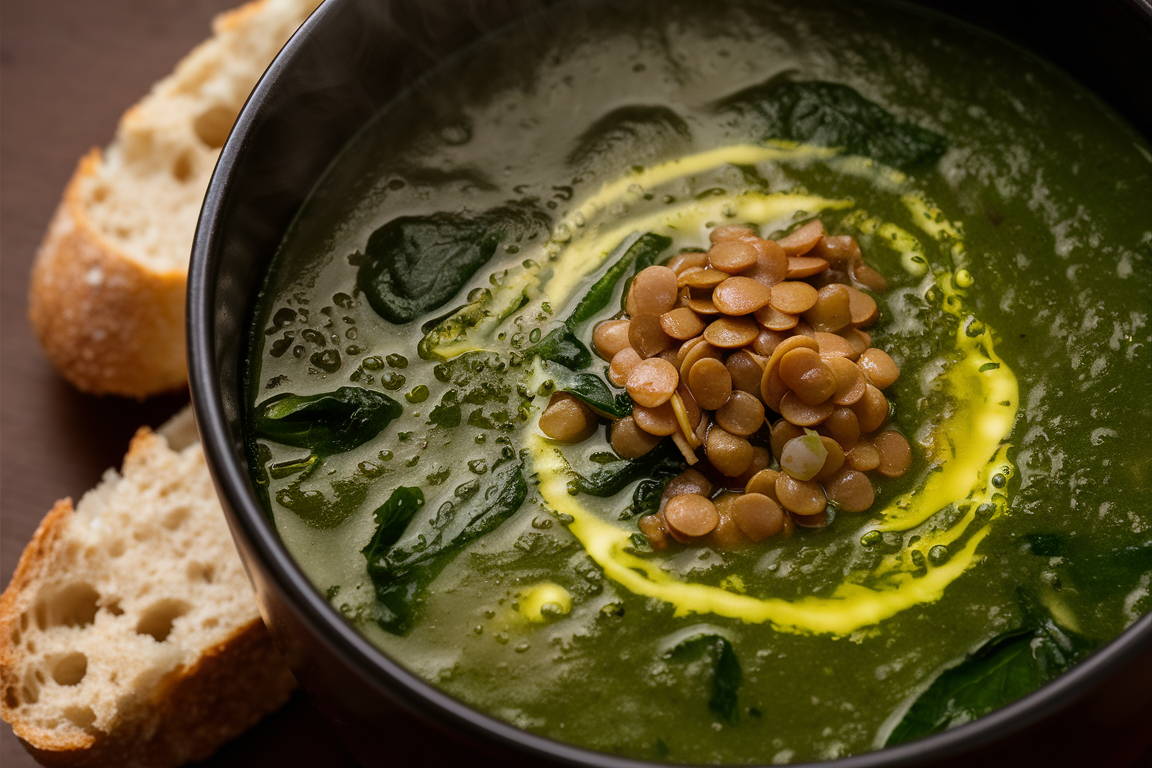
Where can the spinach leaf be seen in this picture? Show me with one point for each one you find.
(717, 653)
(392, 517)
(402, 568)
(631, 134)
(641, 252)
(1007, 667)
(328, 423)
(589, 388)
(414, 264)
(833, 115)
(663, 460)
(646, 498)
(561, 345)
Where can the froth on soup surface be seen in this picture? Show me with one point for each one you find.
(420, 311)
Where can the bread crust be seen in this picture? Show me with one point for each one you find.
(110, 324)
(186, 716)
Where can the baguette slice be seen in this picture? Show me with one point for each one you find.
(129, 635)
(107, 291)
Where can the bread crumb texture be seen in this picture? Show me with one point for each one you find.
(107, 289)
(129, 635)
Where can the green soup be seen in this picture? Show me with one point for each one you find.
(447, 273)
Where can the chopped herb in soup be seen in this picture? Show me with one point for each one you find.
(722, 382)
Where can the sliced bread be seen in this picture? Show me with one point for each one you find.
(107, 290)
(129, 635)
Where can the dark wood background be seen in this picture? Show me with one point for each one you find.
(68, 69)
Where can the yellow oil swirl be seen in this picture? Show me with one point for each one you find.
(967, 449)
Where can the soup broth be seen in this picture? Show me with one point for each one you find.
(416, 318)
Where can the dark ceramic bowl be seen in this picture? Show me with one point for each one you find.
(349, 59)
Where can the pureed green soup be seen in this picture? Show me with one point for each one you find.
(425, 303)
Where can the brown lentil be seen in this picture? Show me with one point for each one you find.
(646, 335)
(879, 367)
(691, 515)
(863, 457)
(782, 432)
(610, 337)
(771, 265)
(757, 516)
(772, 388)
(653, 530)
(763, 482)
(775, 320)
(652, 382)
(800, 497)
(832, 462)
(843, 427)
(710, 383)
(851, 490)
(895, 453)
(803, 414)
(833, 345)
(850, 383)
(681, 324)
(803, 239)
(871, 410)
(629, 440)
(831, 311)
(792, 297)
(702, 278)
(761, 458)
(745, 371)
(660, 421)
(688, 481)
(567, 419)
(857, 339)
(742, 415)
(731, 332)
(805, 266)
(868, 277)
(732, 256)
(838, 250)
(686, 260)
(728, 453)
(726, 535)
(861, 307)
(740, 296)
(808, 376)
(730, 232)
(766, 342)
(622, 364)
(653, 291)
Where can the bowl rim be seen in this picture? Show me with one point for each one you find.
(248, 519)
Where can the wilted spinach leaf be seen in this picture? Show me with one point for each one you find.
(632, 134)
(328, 423)
(833, 115)
(1004, 669)
(401, 570)
(561, 345)
(646, 498)
(727, 675)
(589, 388)
(663, 460)
(392, 517)
(414, 264)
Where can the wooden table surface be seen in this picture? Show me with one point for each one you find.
(68, 69)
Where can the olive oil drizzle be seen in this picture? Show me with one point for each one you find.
(968, 449)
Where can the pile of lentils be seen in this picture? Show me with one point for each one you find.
(752, 350)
